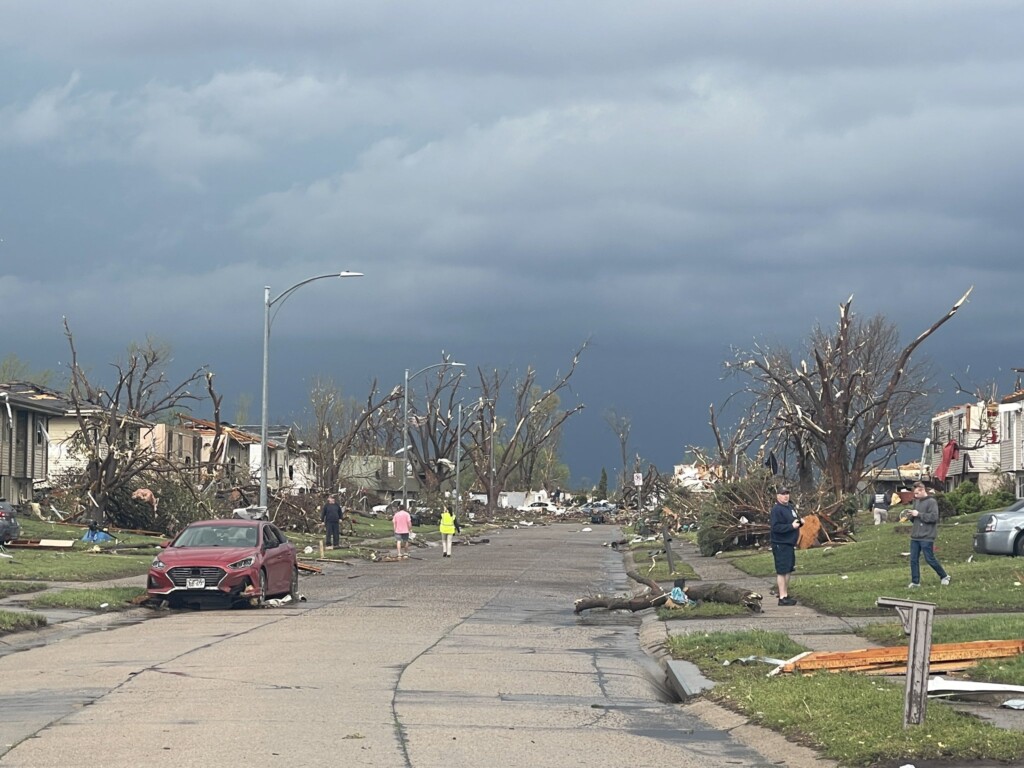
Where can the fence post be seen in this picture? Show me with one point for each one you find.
(916, 617)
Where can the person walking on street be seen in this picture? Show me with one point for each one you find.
(880, 506)
(331, 518)
(785, 531)
(449, 527)
(402, 524)
(925, 515)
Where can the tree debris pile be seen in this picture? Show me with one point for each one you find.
(737, 515)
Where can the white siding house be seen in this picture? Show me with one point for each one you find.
(1011, 443)
(974, 429)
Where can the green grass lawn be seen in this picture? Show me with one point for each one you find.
(8, 588)
(72, 565)
(650, 553)
(846, 579)
(16, 621)
(705, 610)
(854, 719)
(106, 599)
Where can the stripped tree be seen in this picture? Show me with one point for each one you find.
(499, 448)
(858, 400)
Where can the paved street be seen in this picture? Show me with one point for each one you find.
(477, 660)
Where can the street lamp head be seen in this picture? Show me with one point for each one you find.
(269, 302)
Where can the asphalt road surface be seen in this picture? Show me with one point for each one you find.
(477, 660)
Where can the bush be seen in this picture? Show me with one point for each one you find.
(946, 508)
(965, 499)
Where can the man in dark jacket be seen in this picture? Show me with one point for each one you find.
(785, 527)
(331, 518)
(925, 515)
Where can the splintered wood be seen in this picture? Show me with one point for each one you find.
(945, 657)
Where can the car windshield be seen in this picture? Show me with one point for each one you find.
(217, 536)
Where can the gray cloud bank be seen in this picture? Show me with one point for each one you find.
(667, 179)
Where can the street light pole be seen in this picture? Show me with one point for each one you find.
(458, 455)
(458, 462)
(405, 424)
(267, 304)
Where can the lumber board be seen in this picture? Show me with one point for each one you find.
(869, 658)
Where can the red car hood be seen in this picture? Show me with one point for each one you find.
(178, 556)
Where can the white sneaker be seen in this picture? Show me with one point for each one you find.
(913, 585)
(945, 582)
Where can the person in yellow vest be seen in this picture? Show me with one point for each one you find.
(449, 527)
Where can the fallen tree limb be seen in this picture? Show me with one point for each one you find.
(639, 603)
(715, 592)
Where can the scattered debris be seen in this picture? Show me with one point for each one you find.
(968, 689)
(40, 543)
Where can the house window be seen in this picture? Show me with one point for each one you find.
(39, 433)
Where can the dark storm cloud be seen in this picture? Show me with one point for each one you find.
(665, 179)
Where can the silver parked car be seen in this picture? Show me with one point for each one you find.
(1001, 531)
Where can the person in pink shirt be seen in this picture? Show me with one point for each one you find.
(402, 523)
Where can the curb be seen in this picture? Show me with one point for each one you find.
(684, 679)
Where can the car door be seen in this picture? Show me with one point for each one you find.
(276, 560)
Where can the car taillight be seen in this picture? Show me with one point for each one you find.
(990, 525)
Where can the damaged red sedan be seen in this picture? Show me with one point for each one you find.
(225, 560)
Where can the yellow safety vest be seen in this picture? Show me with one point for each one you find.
(447, 522)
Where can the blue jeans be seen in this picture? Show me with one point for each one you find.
(918, 548)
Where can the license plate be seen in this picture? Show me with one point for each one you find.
(195, 583)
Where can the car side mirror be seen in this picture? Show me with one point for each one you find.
(165, 544)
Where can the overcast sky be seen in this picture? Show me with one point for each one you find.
(665, 179)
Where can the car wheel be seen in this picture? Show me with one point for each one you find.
(1018, 547)
(261, 595)
(294, 589)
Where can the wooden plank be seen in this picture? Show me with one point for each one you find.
(877, 657)
(40, 543)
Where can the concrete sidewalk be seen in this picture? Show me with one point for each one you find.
(804, 625)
